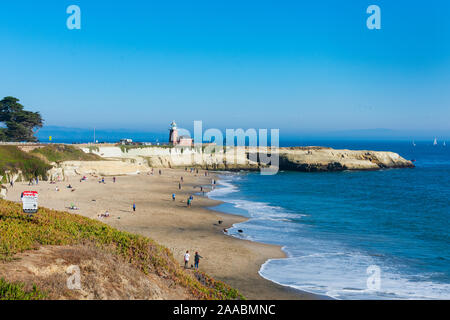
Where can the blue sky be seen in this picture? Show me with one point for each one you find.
(295, 65)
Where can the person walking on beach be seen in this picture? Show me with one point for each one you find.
(179, 185)
(114, 179)
(160, 172)
(182, 179)
(197, 259)
(134, 206)
(173, 196)
(186, 259)
(189, 202)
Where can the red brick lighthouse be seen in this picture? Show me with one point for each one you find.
(173, 135)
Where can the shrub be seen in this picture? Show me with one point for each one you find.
(19, 233)
(16, 291)
(13, 159)
(61, 152)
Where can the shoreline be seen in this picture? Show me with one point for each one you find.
(283, 292)
(301, 293)
(290, 292)
(170, 223)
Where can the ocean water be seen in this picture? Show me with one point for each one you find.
(343, 231)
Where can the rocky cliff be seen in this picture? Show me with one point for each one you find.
(308, 159)
(312, 159)
(120, 161)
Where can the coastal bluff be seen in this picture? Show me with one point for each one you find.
(136, 159)
(316, 159)
(58, 161)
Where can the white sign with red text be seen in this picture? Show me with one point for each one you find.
(30, 201)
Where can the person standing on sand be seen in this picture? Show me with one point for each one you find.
(114, 179)
(160, 172)
(179, 185)
(134, 206)
(173, 196)
(186, 259)
(189, 202)
(197, 259)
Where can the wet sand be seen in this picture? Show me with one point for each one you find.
(171, 223)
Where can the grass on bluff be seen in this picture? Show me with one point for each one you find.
(13, 159)
(126, 147)
(61, 152)
(16, 291)
(19, 233)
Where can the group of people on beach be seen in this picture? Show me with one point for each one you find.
(104, 215)
(191, 197)
(187, 257)
(32, 182)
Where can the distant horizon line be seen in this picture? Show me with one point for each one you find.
(288, 133)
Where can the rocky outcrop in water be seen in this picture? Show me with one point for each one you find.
(315, 159)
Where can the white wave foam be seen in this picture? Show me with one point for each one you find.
(224, 189)
(315, 264)
(342, 275)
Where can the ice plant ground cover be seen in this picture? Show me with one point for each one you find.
(19, 233)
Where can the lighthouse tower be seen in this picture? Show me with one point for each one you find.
(173, 135)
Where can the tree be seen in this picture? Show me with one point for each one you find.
(20, 124)
(2, 134)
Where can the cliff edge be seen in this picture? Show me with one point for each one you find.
(307, 159)
(314, 159)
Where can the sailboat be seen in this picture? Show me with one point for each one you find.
(414, 144)
(435, 142)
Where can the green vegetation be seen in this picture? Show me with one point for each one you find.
(61, 152)
(125, 148)
(149, 161)
(13, 159)
(20, 124)
(16, 291)
(93, 148)
(19, 233)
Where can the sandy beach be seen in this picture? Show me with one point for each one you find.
(170, 223)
